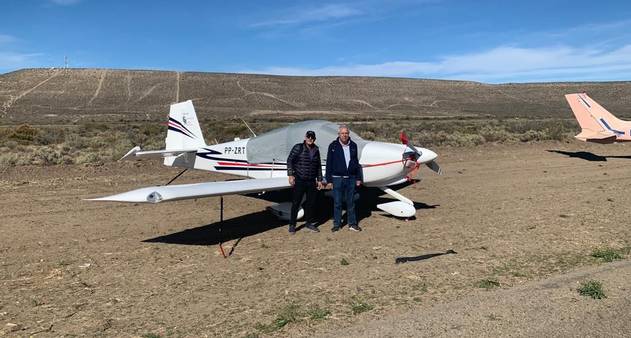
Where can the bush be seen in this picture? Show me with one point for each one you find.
(24, 134)
(48, 136)
(607, 254)
(494, 134)
(47, 156)
(592, 289)
(87, 157)
(75, 141)
(556, 132)
(358, 306)
(8, 160)
(11, 144)
(532, 135)
(367, 135)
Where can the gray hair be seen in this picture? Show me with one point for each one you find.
(342, 126)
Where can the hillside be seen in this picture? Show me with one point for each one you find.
(57, 96)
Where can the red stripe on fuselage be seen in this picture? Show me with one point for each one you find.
(272, 166)
(381, 164)
(247, 164)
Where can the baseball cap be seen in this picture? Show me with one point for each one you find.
(310, 134)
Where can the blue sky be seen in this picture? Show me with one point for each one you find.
(487, 41)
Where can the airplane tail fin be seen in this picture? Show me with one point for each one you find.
(597, 124)
(183, 134)
(184, 131)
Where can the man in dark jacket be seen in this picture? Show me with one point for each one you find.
(304, 171)
(345, 173)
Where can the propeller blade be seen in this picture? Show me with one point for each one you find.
(435, 167)
(406, 140)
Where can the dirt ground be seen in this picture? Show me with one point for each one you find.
(545, 308)
(514, 214)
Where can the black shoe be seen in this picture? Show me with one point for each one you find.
(292, 229)
(354, 227)
(335, 228)
(312, 227)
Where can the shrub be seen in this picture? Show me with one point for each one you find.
(532, 135)
(11, 144)
(488, 284)
(317, 313)
(358, 306)
(8, 160)
(592, 289)
(24, 134)
(494, 134)
(607, 254)
(48, 136)
(367, 135)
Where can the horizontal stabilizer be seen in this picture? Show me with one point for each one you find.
(136, 153)
(197, 190)
(596, 136)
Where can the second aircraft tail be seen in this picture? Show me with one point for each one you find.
(597, 124)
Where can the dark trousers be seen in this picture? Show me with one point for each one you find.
(344, 192)
(301, 188)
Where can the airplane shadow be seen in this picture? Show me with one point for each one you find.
(243, 226)
(587, 156)
(400, 260)
(217, 232)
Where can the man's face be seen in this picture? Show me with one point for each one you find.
(310, 141)
(344, 135)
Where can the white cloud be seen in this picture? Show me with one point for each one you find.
(313, 14)
(6, 39)
(499, 64)
(65, 2)
(11, 60)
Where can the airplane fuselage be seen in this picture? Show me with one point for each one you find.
(383, 163)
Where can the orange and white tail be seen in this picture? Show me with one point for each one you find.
(597, 124)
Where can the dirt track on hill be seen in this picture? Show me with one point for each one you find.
(514, 214)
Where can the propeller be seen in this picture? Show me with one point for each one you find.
(418, 155)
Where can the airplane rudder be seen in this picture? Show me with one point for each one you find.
(184, 130)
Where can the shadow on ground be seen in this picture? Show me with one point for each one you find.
(587, 156)
(230, 229)
(251, 224)
(400, 260)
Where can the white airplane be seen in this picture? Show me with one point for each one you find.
(262, 159)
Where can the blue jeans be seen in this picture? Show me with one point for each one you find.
(344, 192)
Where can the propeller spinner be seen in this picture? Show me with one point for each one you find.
(427, 156)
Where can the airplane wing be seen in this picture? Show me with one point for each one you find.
(176, 192)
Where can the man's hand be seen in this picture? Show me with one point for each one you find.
(320, 186)
(292, 180)
(329, 186)
(358, 183)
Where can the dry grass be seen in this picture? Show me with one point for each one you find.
(94, 143)
(96, 115)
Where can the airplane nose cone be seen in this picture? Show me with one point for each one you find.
(426, 156)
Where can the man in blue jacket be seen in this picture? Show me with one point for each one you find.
(345, 173)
